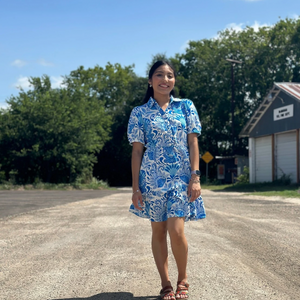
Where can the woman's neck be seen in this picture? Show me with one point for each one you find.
(162, 100)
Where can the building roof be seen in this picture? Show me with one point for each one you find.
(290, 88)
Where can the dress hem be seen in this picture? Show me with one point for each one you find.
(186, 218)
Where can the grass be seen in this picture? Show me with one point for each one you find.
(213, 187)
(95, 184)
(264, 189)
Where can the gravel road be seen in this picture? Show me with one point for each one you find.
(247, 248)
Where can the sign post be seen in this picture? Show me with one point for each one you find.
(207, 157)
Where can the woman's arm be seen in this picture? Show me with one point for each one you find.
(194, 188)
(136, 160)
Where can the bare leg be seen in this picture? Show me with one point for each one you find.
(179, 245)
(160, 250)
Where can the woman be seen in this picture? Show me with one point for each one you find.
(165, 178)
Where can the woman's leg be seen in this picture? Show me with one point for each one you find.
(175, 227)
(160, 250)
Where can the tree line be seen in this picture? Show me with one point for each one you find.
(78, 131)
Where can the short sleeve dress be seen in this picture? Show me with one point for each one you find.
(165, 170)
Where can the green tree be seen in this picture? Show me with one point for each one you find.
(52, 134)
(114, 161)
(269, 55)
(108, 85)
(119, 90)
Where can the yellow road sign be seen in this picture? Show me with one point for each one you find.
(207, 157)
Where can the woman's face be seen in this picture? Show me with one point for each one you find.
(163, 80)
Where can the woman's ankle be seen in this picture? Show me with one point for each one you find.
(182, 278)
(165, 283)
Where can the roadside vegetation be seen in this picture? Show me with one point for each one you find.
(281, 187)
(263, 189)
(94, 184)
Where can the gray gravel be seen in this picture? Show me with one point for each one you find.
(16, 202)
(246, 248)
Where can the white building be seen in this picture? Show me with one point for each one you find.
(273, 133)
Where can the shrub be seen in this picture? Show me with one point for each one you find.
(244, 177)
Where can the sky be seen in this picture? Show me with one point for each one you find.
(55, 37)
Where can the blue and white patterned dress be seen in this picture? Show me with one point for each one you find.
(165, 170)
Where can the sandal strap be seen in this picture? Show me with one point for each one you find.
(167, 291)
(167, 288)
(182, 286)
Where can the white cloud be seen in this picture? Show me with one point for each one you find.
(44, 63)
(241, 26)
(3, 105)
(235, 27)
(19, 63)
(22, 83)
(256, 26)
(56, 82)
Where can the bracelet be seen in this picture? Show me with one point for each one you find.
(135, 192)
(195, 181)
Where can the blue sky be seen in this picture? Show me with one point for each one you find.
(54, 37)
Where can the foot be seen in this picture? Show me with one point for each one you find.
(167, 293)
(182, 291)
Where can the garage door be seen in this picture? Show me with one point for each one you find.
(263, 159)
(285, 155)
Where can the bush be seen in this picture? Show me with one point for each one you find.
(244, 177)
(2, 176)
(93, 184)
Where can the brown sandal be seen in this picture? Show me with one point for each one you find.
(167, 293)
(182, 290)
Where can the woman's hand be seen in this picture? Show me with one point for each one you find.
(137, 200)
(136, 160)
(194, 188)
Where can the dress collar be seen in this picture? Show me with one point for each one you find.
(151, 101)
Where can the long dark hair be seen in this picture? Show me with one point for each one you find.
(150, 92)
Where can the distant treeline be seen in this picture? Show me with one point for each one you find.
(78, 131)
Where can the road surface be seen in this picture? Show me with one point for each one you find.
(247, 248)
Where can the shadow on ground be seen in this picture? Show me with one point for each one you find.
(113, 296)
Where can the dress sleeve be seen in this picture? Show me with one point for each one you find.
(193, 121)
(135, 130)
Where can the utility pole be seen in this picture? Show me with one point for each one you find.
(233, 62)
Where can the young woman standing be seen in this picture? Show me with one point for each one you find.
(165, 178)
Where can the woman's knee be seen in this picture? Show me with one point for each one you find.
(176, 231)
(177, 236)
(159, 231)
